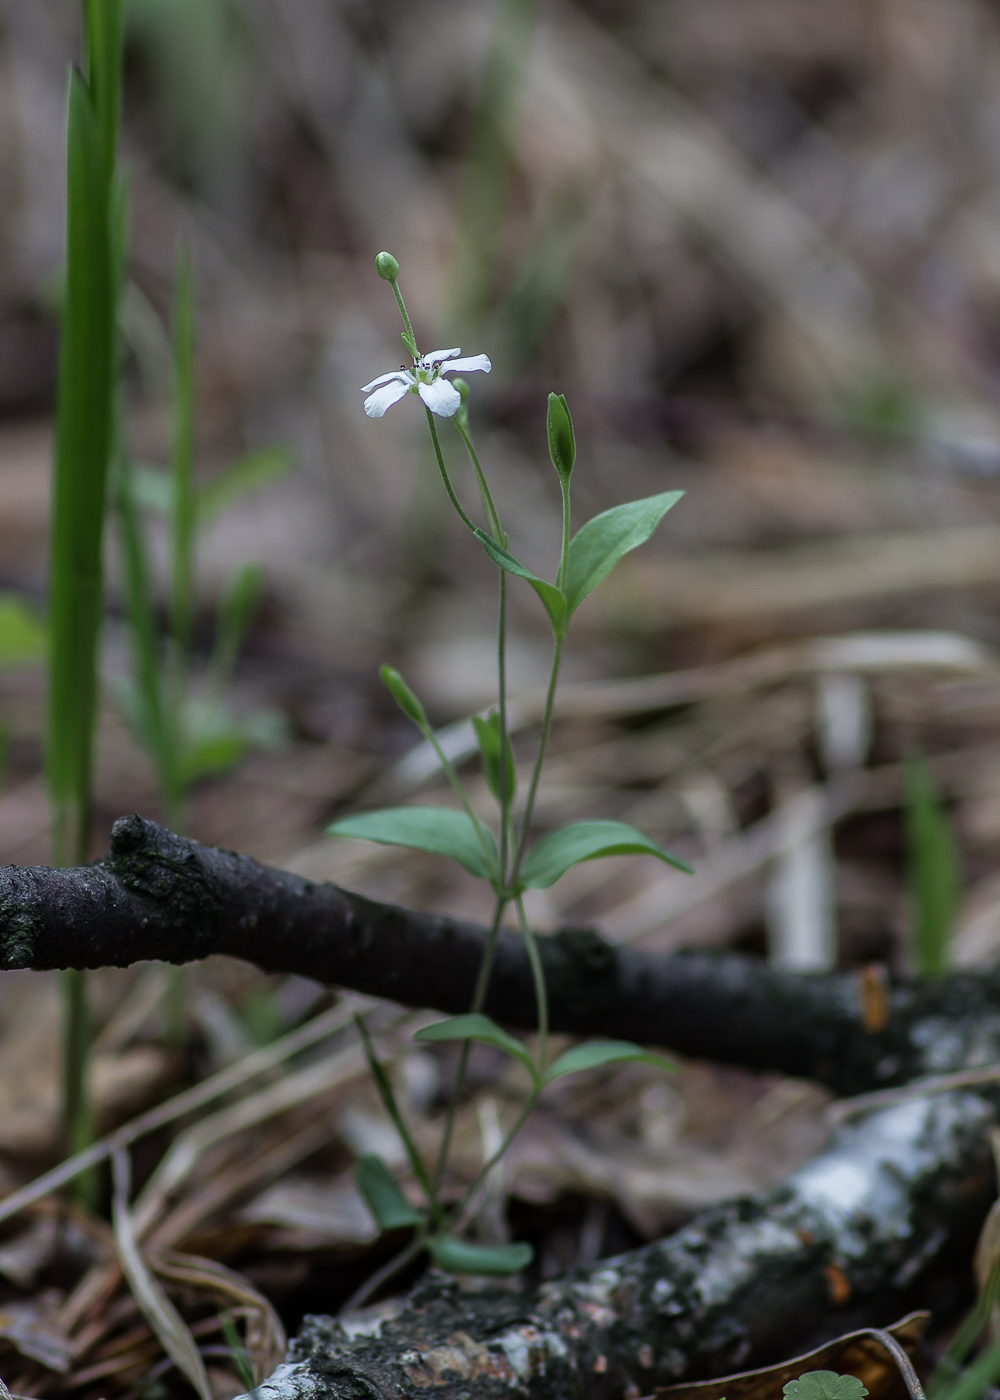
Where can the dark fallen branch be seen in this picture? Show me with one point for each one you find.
(733, 1288)
(158, 896)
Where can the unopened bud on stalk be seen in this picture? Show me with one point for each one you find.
(404, 696)
(387, 267)
(562, 443)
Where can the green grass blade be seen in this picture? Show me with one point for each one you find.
(84, 438)
(153, 728)
(933, 869)
(104, 26)
(185, 499)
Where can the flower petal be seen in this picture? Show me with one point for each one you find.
(384, 379)
(440, 397)
(436, 356)
(470, 363)
(377, 403)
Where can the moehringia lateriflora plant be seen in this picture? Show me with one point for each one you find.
(502, 857)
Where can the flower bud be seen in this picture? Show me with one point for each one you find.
(404, 696)
(562, 443)
(387, 267)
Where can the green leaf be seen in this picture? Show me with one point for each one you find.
(475, 1026)
(562, 443)
(253, 470)
(236, 613)
(404, 697)
(22, 632)
(440, 830)
(933, 870)
(459, 1257)
(551, 596)
(604, 1052)
(600, 544)
(824, 1385)
(87, 365)
(389, 1207)
(571, 845)
(388, 1098)
(488, 735)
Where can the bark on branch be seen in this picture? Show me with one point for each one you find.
(157, 895)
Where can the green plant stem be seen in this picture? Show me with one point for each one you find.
(519, 1122)
(405, 315)
(492, 518)
(564, 552)
(506, 795)
(538, 977)
(449, 771)
(392, 1108)
(478, 1001)
(444, 471)
(389, 1270)
(536, 774)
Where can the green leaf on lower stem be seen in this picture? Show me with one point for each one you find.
(603, 1052)
(571, 845)
(439, 830)
(600, 544)
(475, 1026)
(459, 1257)
(490, 743)
(382, 1193)
(551, 596)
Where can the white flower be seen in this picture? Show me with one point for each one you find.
(426, 378)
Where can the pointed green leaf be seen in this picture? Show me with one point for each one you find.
(603, 1052)
(599, 545)
(22, 632)
(440, 830)
(404, 697)
(562, 443)
(256, 469)
(571, 845)
(488, 734)
(381, 1190)
(459, 1257)
(824, 1385)
(551, 596)
(475, 1026)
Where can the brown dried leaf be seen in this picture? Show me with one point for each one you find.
(865, 1354)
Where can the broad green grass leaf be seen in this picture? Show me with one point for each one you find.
(440, 830)
(933, 870)
(475, 1026)
(561, 850)
(551, 596)
(22, 632)
(389, 1207)
(184, 493)
(603, 1052)
(256, 469)
(824, 1385)
(84, 429)
(599, 545)
(488, 735)
(459, 1257)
